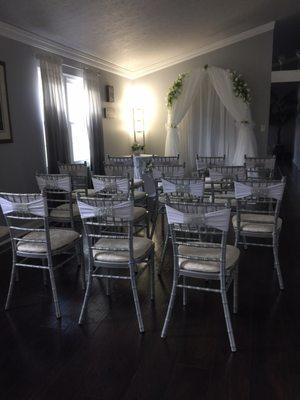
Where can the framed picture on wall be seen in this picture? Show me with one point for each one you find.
(110, 94)
(5, 125)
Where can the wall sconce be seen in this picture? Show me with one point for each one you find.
(139, 125)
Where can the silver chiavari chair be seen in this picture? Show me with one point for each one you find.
(257, 217)
(120, 160)
(165, 160)
(4, 238)
(189, 190)
(220, 183)
(125, 171)
(62, 208)
(168, 171)
(260, 167)
(199, 236)
(204, 163)
(80, 176)
(32, 240)
(120, 188)
(113, 248)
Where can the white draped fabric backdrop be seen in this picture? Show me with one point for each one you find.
(207, 118)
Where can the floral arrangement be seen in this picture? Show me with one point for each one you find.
(149, 166)
(137, 146)
(175, 90)
(240, 87)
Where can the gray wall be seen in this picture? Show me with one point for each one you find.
(251, 57)
(21, 159)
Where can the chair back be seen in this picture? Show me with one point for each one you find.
(200, 225)
(25, 213)
(58, 191)
(183, 189)
(79, 173)
(260, 167)
(165, 160)
(172, 171)
(106, 219)
(119, 170)
(259, 197)
(116, 187)
(204, 163)
(227, 173)
(120, 160)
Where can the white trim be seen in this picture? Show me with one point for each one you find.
(205, 49)
(42, 43)
(286, 76)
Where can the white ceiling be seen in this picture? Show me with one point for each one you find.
(140, 34)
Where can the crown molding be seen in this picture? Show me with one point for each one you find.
(204, 50)
(39, 42)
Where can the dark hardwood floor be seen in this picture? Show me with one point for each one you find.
(106, 358)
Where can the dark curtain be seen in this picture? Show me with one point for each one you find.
(55, 115)
(94, 120)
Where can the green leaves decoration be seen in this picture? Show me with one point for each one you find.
(175, 90)
(240, 87)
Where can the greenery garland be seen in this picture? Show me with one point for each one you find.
(240, 87)
(175, 90)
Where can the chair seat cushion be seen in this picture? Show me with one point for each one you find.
(113, 247)
(63, 211)
(90, 192)
(139, 195)
(58, 239)
(265, 225)
(4, 231)
(232, 256)
(139, 212)
(137, 183)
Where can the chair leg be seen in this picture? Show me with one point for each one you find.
(245, 243)
(170, 308)
(237, 237)
(54, 293)
(235, 290)
(184, 293)
(11, 285)
(45, 277)
(276, 262)
(154, 221)
(136, 299)
(152, 276)
(147, 226)
(107, 284)
(228, 320)
(163, 254)
(86, 298)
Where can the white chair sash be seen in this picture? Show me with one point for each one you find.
(54, 182)
(193, 188)
(35, 207)
(120, 185)
(273, 191)
(200, 164)
(216, 219)
(122, 210)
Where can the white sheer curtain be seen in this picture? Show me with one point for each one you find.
(207, 129)
(240, 111)
(178, 111)
(212, 119)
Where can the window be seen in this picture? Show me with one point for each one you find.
(76, 113)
